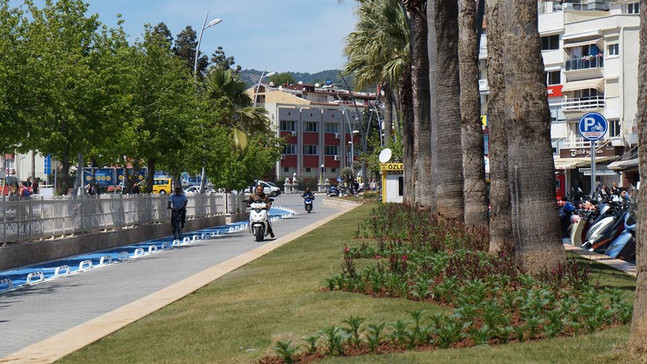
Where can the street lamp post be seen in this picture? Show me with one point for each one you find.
(205, 25)
(258, 86)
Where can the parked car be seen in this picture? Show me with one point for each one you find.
(192, 190)
(269, 188)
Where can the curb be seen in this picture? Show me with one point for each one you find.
(69, 341)
(621, 265)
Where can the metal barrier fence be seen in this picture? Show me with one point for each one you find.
(36, 218)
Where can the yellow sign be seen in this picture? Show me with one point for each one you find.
(484, 120)
(392, 167)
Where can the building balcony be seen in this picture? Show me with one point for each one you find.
(583, 104)
(585, 63)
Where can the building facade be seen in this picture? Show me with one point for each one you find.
(321, 126)
(590, 52)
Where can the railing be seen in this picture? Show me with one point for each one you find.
(34, 219)
(586, 62)
(583, 103)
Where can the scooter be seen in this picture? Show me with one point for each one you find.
(259, 220)
(624, 246)
(307, 200)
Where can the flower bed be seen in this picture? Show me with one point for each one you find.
(414, 256)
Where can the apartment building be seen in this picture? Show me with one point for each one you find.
(590, 52)
(321, 126)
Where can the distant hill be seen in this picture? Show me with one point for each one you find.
(251, 77)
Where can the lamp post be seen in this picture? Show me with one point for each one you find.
(205, 25)
(258, 86)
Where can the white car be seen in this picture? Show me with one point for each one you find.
(269, 188)
(192, 190)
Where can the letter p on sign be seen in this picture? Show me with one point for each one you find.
(589, 122)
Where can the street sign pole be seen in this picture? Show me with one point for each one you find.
(593, 126)
(593, 168)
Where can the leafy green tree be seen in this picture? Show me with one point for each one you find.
(15, 94)
(282, 78)
(163, 103)
(59, 41)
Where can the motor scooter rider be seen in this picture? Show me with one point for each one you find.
(259, 195)
(308, 193)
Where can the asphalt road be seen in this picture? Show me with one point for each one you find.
(33, 314)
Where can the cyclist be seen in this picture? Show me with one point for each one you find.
(178, 201)
(259, 195)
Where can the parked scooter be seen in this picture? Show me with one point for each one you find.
(259, 220)
(624, 246)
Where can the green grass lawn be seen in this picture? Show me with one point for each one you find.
(239, 317)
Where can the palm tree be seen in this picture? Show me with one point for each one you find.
(500, 218)
(447, 170)
(474, 189)
(378, 52)
(531, 169)
(638, 338)
(234, 106)
(422, 101)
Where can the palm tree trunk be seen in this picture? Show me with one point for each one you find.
(408, 137)
(531, 169)
(638, 336)
(421, 102)
(474, 189)
(500, 215)
(447, 170)
(388, 116)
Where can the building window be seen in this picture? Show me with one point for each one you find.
(550, 42)
(333, 170)
(10, 163)
(290, 149)
(587, 94)
(310, 149)
(613, 49)
(330, 150)
(288, 125)
(286, 169)
(308, 170)
(331, 127)
(554, 77)
(310, 126)
(632, 8)
(614, 128)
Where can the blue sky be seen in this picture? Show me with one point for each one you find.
(282, 35)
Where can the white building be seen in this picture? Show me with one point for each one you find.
(590, 52)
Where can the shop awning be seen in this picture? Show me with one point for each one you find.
(622, 165)
(598, 42)
(572, 163)
(596, 83)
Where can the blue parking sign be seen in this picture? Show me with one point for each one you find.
(593, 126)
(47, 165)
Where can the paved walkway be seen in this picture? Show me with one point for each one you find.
(618, 264)
(47, 321)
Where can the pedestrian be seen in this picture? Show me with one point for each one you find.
(35, 187)
(24, 193)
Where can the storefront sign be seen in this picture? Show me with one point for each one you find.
(598, 172)
(586, 152)
(392, 167)
(555, 91)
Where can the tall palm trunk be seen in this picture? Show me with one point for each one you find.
(388, 115)
(474, 190)
(531, 169)
(500, 216)
(638, 338)
(408, 137)
(447, 169)
(421, 101)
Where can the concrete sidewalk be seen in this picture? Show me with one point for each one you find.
(618, 264)
(45, 322)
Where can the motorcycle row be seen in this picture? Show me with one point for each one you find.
(605, 224)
